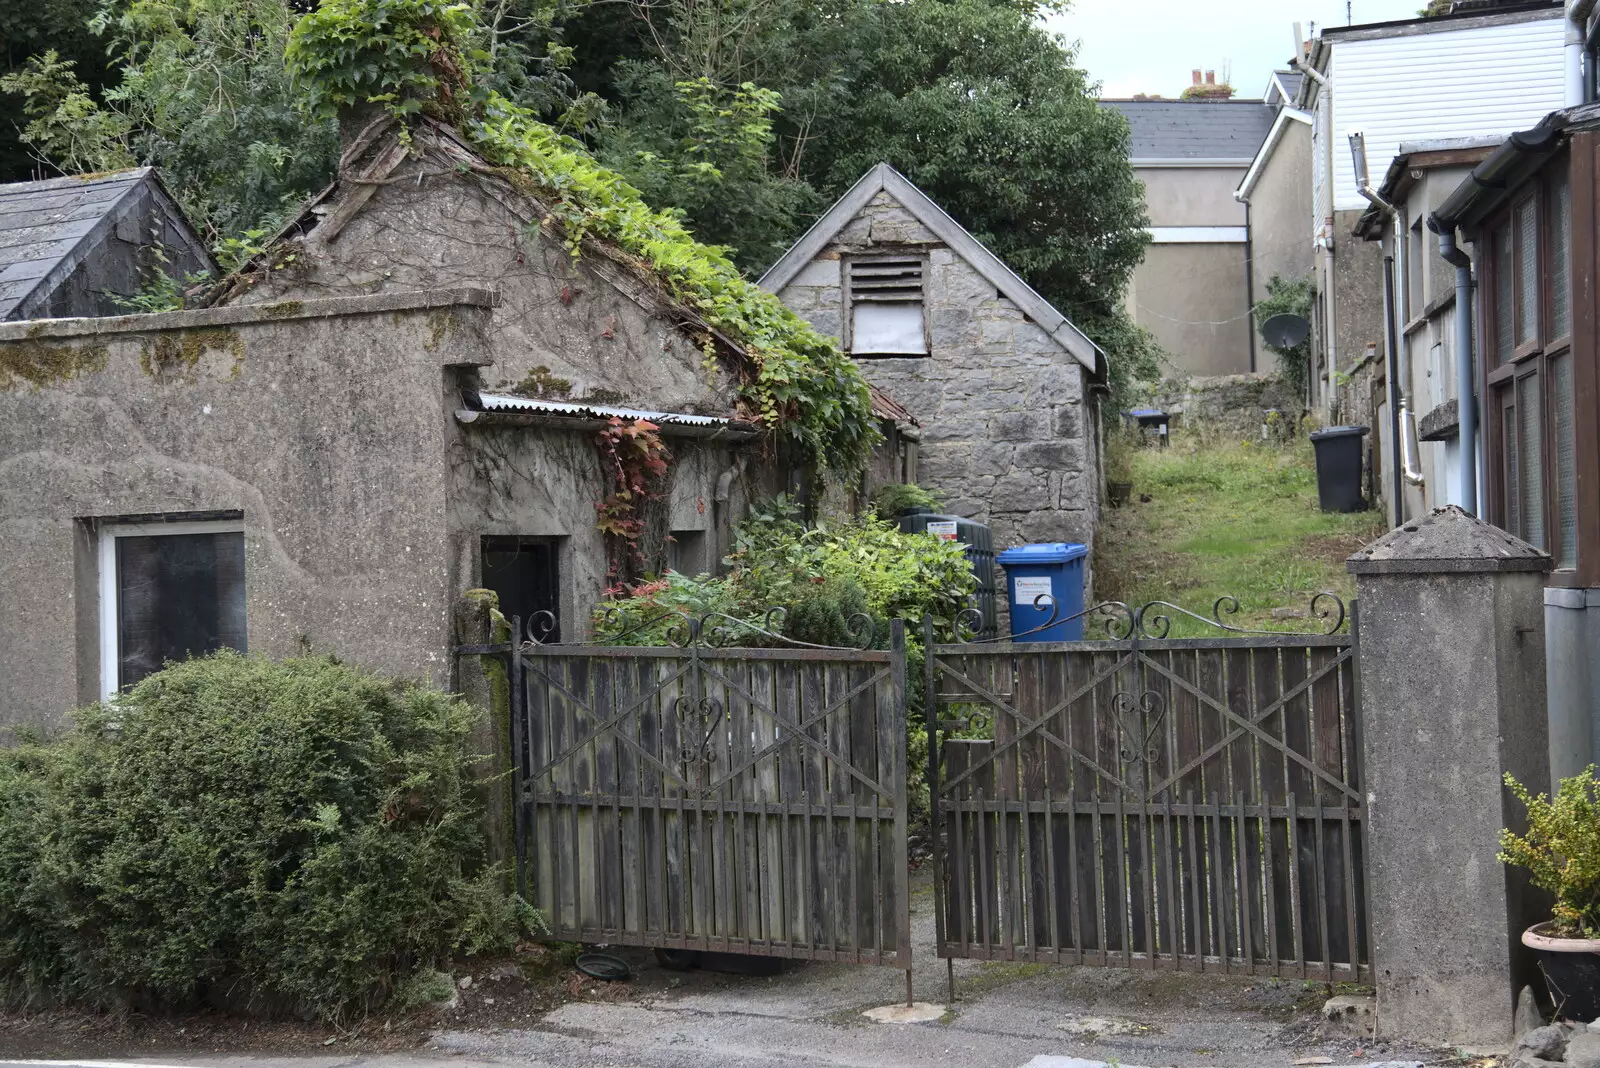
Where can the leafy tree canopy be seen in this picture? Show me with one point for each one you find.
(746, 117)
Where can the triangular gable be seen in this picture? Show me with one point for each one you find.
(885, 179)
(1286, 115)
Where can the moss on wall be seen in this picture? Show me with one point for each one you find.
(284, 309)
(41, 363)
(441, 325)
(180, 351)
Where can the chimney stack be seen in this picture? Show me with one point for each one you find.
(1197, 77)
(1211, 77)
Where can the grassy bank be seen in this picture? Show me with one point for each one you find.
(1210, 519)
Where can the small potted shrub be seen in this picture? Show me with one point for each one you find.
(1561, 851)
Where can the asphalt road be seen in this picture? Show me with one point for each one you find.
(1008, 1016)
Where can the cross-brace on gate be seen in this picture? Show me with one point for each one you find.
(1151, 802)
(708, 795)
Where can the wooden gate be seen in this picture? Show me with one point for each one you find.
(703, 797)
(1142, 802)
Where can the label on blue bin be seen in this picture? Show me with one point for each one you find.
(1026, 590)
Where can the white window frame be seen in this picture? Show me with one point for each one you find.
(109, 531)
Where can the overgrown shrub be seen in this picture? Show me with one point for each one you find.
(1290, 296)
(822, 577)
(897, 498)
(292, 836)
(1562, 850)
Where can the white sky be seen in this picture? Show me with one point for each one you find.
(1150, 46)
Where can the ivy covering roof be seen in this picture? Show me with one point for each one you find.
(412, 58)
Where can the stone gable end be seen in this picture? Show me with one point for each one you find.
(1008, 433)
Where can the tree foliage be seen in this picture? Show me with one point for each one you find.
(743, 117)
(973, 101)
(203, 94)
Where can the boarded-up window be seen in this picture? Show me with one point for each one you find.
(886, 307)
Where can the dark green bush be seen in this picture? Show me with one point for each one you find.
(290, 836)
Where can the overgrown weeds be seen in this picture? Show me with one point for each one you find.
(1225, 518)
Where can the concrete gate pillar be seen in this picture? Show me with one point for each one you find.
(1452, 667)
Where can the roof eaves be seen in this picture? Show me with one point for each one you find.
(1511, 13)
(1491, 180)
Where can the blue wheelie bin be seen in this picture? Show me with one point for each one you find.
(1053, 570)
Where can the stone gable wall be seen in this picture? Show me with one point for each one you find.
(1008, 433)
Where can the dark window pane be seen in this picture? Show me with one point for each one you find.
(1504, 290)
(178, 595)
(1531, 456)
(686, 554)
(1560, 246)
(1527, 271)
(1564, 443)
(1508, 434)
(525, 574)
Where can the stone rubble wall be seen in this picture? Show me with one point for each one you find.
(1235, 403)
(1008, 434)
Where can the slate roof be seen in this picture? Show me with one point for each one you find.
(1195, 129)
(47, 227)
(1290, 80)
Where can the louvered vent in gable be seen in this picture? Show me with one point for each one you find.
(886, 306)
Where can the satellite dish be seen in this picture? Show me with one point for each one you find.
(1285, 331)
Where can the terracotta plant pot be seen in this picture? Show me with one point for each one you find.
(1117, 493)
(1571, 969)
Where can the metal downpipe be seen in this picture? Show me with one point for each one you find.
(1466, 404)
(1392, 374)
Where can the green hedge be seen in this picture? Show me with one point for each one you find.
(292, 836)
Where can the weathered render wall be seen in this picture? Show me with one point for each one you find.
(544, 482)
(1008, 434)
(1192, 297)
(1280, 218)
(328, 425)
(1191, 196)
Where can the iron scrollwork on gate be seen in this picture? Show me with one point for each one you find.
(1139, 720)
(1150, 621)
(698, 720)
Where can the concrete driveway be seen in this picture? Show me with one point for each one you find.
(1009, 1016)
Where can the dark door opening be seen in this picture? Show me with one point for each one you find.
(526, 575)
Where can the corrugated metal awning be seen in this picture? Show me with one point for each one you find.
(507, 402)
(527, 411)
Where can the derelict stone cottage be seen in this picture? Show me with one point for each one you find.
(1005, 387)
(397, 402)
